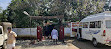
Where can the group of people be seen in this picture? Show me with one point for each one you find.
(51, 31)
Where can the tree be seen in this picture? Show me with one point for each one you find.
(107, 6)
(73, 10)
(0, 9)
(87, 7)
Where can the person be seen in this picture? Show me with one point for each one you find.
(54, 35)
(11, 38)
(49, 30)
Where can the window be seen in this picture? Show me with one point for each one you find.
(85, 24)
(0, 31)
(92, 24)
(98, 24)
(108, 23)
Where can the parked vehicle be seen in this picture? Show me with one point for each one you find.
(96, 28)
(3, 33)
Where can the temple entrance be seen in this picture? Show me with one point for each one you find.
(44, 31)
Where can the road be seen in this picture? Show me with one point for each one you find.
(87, 45)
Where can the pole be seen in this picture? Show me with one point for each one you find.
(30, 27)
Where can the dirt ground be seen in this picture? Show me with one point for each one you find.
(70, 46)
(47, 44)
(70, 43)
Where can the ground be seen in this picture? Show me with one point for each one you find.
(88, 45)
(70, 43)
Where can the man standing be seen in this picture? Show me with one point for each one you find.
(54, 35)
(11, 38)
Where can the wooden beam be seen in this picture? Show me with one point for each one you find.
(47, 17)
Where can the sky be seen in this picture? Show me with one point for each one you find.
(4, 3)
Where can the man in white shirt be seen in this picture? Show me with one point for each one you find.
(54, 35)
(11, 38)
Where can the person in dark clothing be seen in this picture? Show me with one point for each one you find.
(44, 30)
(50, 28)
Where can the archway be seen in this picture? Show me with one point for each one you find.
(60, 17)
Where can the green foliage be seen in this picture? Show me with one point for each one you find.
(0, 13)
(107, 5)
(3, 17)
(0, 8)
(73, 10)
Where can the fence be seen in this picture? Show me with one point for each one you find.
(25, 32)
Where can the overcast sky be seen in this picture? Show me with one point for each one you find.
(4, 3)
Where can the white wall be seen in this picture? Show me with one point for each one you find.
(25, 32)
(67, 31)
